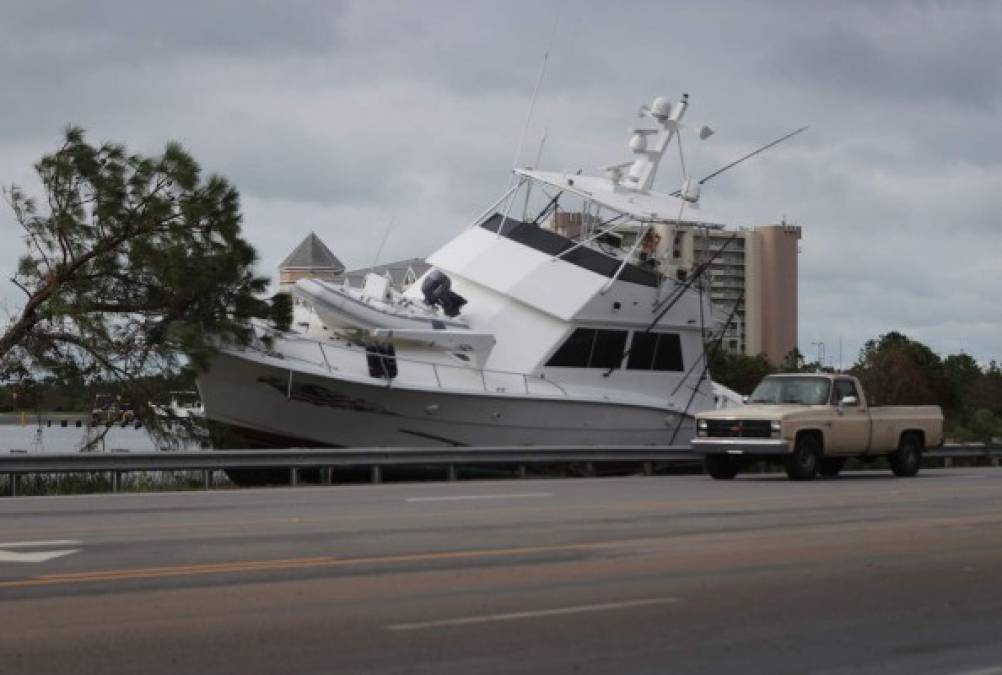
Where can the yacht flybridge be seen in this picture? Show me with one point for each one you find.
(559, 317)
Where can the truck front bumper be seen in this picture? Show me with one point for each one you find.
(740, 446)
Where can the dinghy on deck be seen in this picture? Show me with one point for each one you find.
(374, 306)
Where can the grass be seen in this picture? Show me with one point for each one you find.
(101, 481)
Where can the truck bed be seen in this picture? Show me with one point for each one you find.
(890, 421)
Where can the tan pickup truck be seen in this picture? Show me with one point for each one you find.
(814, 423)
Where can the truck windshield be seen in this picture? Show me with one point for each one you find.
(795, 390)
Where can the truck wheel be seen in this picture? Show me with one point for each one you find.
(907, 459)
(831, 466)
(720, 467)
(802, 463)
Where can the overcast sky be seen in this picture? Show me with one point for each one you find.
(336, 117)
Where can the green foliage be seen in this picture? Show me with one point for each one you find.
(793, 362)
(78, 395)
(984, 425)
(737, 371)
(281, 311)
(897, 371)
(90, 483)
(137, 268)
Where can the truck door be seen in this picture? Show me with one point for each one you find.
(851, 427)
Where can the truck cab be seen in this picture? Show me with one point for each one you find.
(813, 423)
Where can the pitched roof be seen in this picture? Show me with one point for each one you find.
(312, 254)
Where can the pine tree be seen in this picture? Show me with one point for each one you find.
(136, 268)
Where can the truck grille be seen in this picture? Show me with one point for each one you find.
(739, 428)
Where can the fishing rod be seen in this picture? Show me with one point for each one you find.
(706, 362)
(552, 204)
(715, 339)
(528, 115)
(675, 297)
(699, 270)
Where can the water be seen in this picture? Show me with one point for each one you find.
(55, 439)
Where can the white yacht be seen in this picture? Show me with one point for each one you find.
(532, 327)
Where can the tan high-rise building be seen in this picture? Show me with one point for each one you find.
(757, 269)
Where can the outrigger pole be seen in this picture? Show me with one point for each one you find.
(706, 362)
(733, 164)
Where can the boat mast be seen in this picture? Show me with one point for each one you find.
(644, 168)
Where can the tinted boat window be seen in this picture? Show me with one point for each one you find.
(590, 348)
(609, 348)
(655, 351)
(669, 353)
(642, 351)
(576, 351)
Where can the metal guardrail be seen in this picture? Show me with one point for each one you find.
(118, 462)
(311, 458)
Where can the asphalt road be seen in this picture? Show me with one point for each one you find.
(863, 574)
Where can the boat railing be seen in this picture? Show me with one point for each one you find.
(445, 376)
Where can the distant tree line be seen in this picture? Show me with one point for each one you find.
(895, 370)
(51, 394)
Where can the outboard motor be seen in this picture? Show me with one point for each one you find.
(437, 290)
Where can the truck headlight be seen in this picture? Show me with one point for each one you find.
(702, 427)
(776, 427)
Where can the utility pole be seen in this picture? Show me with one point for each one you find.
(821, 354)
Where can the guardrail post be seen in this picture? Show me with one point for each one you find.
(377, 474)
(116, 481)
(648, 468)
(293, 476)
(13, 483)
(947, 462)
(522, 473)
(589, 468)
(207, 479)
(452, 472)
(995, 460)
(327, 475)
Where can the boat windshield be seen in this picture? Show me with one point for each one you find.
(792, 390)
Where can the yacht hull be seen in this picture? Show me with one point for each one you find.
(264, 405)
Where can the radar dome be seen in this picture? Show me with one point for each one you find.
(661, 107)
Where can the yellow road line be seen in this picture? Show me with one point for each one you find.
(233, 567)
(286, 564)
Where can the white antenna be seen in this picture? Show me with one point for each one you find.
(535, 89)
(528, 116)
(528, 188)
(379, 251)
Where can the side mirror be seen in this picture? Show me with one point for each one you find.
(848, 402)
(744, 399)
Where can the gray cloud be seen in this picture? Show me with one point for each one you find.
(335, 117)
(915, 53)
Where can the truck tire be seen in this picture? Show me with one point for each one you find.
(831, 466)
(907, 459)
(720, 467)
(802, 463)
